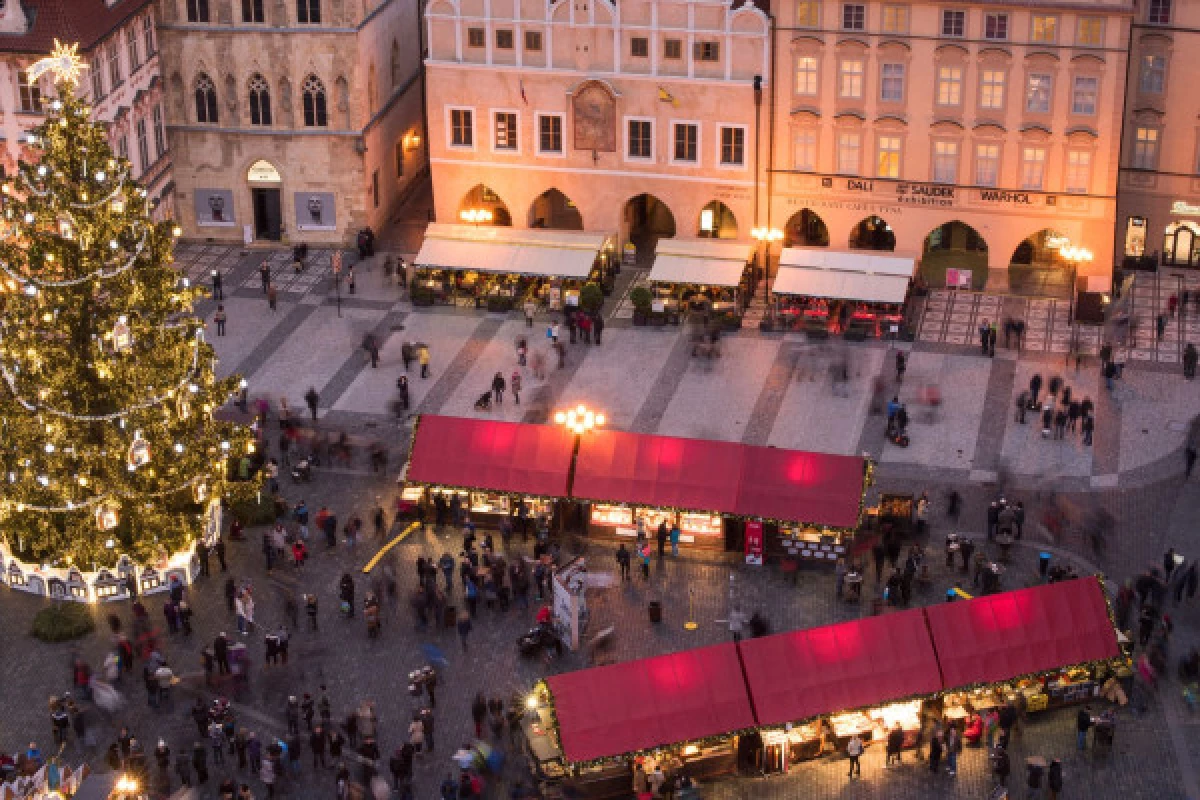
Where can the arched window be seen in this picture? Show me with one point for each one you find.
(206, 99)
(260, 100)
(314, 103)
(1181, 246)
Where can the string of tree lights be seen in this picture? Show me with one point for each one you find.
(108, 440)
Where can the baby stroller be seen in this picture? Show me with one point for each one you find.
(484, 403)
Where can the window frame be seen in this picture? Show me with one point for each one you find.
(1146, 148)
(696, 126)
(476, 38)
(1146, 69)
(504, 39)
(898, 23)
(815, 72)
(132, 49)
(561, 152)
(148, 38)
(951, 84)
(707, 51)
(96, 78)
(533, 41)
(992, 93)
(468, 127)
(993, 161)
(896, 156)
(953, 23)
(1049, 29)
(308, 12)
(494, 115)
(1026, 183)
(253, 12)
(673, 44)
(1159, 12)
(1002, 22)
(143, 145)
(937, 158)
(115, 78)
(858, 137)
(805, 131)
(1095, 95)
(628, 139)
(1032, 92)
(318, 105)
(29, 94)
(738, 145)
(259, 101)
(811, 19)
(212, 113)
(844, 75)
(854, 17)
(1086, 20)
(884, 79)
(197, 11)
(637, 43)
(1072, 169)
(160, 131)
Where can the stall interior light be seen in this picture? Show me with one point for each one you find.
(126, 785)
(767, 234)
(706, 220)
(691, 750)
(531, 702)
(579, 420)
(475, 215)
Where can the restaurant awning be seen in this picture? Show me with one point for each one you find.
(842, 275)
(798, 675)
(1002, 636)
(703, 262)
(659, 471)
(512, 251)
(638, 705)
(491, 456)
(814, 488)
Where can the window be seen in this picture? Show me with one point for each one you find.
(260, 100)
(143, 144)
(533, 41)
(1033, 167)
(308, 12)
(206, 99)
(686, 142)
(160, 136)
(949, 87)
(808, 13)
(30, 92)
(991, 89)
(850, 79)
(399, 150)
(954, 23)
(891, 83)
(1037, 94)
(804, 150)
(945, 162)
(889, 157)
(197, 10)
(1154, 74)
(995, 27)
(1158, 12)
(550, 133)
(122, 146)
(131, 44)
(462, 128)
(854, 17)
(673, 49)
(97, 76)
(641, 138)
(1089, 31)
(1135, 236)
(987, 164)
(806, 75)
(148, 34)
(639, 47)
(313, 96)
(375, 188)
(506, 131)
(1145, 148)
(1045, 29)
(733, 147)
(895, 19)
(114, 65)
(475, 37)
(252, 11)
(848, 152)
(707, 51)
(1079, 171)
(504, 39)
(1084, 93)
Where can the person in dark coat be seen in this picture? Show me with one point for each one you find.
(200, 762)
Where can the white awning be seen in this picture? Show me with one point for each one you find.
(702, 262)
(841, 285)
(500, 249)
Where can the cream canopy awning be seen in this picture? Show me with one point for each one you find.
(704, 262)
(843, 276)
(512, 251)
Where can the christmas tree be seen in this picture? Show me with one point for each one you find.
(108, 441)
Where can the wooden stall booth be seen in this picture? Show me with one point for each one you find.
(854, 294)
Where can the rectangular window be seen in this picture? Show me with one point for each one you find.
(462, 127)
(991, 89)
(114, 65)
(1154, 74)
(399, 152)
(854, 17)
(848, 152)
(197, 10)
(639, 47)
(954, 23)
(550, 134)
(504, 39)
(1089, 32)
(995, 27)
(733, 147)
(891, 83)
(160, 135)
(1158, 12)
(252, 11)
(1044, 29)
(148, 34)
(806, 76)
(1079, 171)
(850, 79)
(949, 88)
(889, 157)
(804, 150)
(143, 145)
(97, 80)
(895, 19)
(1084, 93)
(1145, 148)
(641, 138)
(375, 188)
(987, 164)
(686, 142)
(673, 49)
(122, 146)
(506, 130)
(808, 13)
(707, 51)
(475, 37)
(1135, 236)
(308, 12)
(131, 44)
(1033, 167)
(945, 162)
(30, 94)
(533, 41)
(1037, 94)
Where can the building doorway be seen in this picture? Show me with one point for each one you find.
(872, 233)
(482, 199)
(267, 216)
(1181, 245)
(954, 246)
(647, 219)
(717, 222)
(1038, 268)
(805, 229)
(553, 209)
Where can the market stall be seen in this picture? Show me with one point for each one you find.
(856, 294)
(499, 267)
(710, 276)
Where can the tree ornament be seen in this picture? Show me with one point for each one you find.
(106, 518)
(122, 336)
(139, 451)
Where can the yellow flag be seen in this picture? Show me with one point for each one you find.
(667, 97)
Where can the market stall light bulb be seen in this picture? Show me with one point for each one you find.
(100, 176)
(559, 418)
(599, 420)
(579, 409)
(41, 170)
(178, 447)
(531, 702)
(29, 218)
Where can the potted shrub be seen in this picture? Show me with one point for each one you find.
(499, 302)
(641, 299)
(421, 296)
(591, 298)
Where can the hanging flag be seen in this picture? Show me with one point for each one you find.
(667, 97)
(524, 99)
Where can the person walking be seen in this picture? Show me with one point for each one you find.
(985, 332)
(623, 561)
(529, 308)
(1054, 779)
(264, 274)
(312, 399)
(1190, 357)
(219, 319)
(1189, 460)
(854, 749)
(1035, 388)
(953, 745)
(218, 291)
(423, 360)
(498, 386)
(515, 384)
(464, 627)
(1083, 722)
(597, 327)
(895, 742)
(272, 297)
(935, 751)
(901, 366)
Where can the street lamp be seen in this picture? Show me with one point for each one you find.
(580, 419)
(475, 215)
(767, 236)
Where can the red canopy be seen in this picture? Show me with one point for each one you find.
(609, 711)
(802, 674)
(491, 456)
(815, 488)
(658, 471)
(1003, 636)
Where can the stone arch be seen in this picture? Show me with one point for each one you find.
(481, 198)
(1181, 244)
(647, 217)
(553, 209)
(872, 233)
(805, 228)
(954, 245)
(717, 221)
(1037, 265)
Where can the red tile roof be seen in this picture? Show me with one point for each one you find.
(84, 21)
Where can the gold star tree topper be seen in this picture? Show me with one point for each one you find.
(63, 61)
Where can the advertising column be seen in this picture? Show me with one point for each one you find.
(754, 542)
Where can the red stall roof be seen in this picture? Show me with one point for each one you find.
(1003, 636)
(612, 710)
(873, 660)
(495, 456)
(660, 471)
(816, 488)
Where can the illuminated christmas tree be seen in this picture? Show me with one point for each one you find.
(108, 443)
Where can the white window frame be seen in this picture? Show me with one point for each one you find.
(1029, 93)
(848, 7)
(141, 137)
(450, 145)
(625, 139)
(1003, 20)
(492, 112)
(1159, 12)
(1146, 150)
(837, 153)
(807, 132)
(160, 132)
(1077, 177)
(949, 14)
(883, 80)
(900, 15)
(699, 126)
(1080, 22)
(538, 116)
(815, 22)
(721, 127)
(1027, 163)
(995, 162)
(1095, 95)
(953, 84)
(1053, 28)
(992, 92)
(941, 158)
(898, 151)
(816, 75)
(843, 75)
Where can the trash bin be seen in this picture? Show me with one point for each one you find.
(655, 611)
(449, 616)
(1043, 564)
